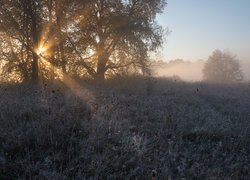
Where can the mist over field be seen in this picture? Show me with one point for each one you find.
(186, 70)
(190, 71)
(246, 69)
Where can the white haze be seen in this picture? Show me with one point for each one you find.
(246, 69)
(189, 71)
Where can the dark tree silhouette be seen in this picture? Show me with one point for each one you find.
(94, 37)
(118, 33)
(222, 68)
(20, 26)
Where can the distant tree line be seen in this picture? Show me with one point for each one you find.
(91, 38)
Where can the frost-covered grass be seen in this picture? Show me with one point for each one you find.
(132, 125)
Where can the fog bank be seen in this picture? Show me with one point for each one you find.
(246, 69)
(186, 70)
(189, 71)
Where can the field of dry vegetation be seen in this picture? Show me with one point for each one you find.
(125, 129)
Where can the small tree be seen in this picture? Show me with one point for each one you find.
(222, 67)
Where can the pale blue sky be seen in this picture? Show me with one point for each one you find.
(200, 26)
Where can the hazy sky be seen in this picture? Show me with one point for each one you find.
(200, 26)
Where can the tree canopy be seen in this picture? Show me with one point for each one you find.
(222, 67)
(80, 37)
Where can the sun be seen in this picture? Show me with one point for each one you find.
(41, 50)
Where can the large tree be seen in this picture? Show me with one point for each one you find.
(95, 37)
(20, 26)
(115, 34)
(27, 26)
(222, 67)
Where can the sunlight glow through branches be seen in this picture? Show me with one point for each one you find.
(41, 50)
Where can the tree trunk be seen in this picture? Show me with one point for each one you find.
(62, 54)
(35, 68)
(59, 15)
(34, 32)
(101, 69)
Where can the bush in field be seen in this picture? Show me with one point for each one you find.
(222, 67)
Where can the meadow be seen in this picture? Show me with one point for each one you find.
(126, 128)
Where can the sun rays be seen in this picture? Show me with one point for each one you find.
(80, 91)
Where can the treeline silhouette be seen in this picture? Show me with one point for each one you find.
(90, 38)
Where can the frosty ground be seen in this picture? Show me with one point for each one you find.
(125, 129)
